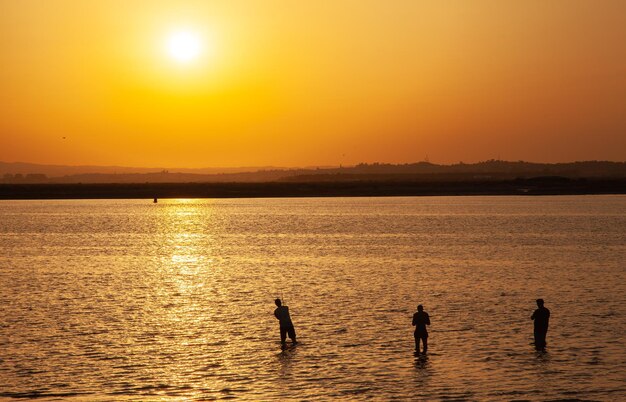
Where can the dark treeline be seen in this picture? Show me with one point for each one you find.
(534, 186)
(412, 172)
(497, 167)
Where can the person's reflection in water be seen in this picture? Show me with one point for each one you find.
(541, 318)
(421, 361)
(420, 321)
(422, 374)
(286, 357)
(286, 326)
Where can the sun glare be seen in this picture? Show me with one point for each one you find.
(184, 46)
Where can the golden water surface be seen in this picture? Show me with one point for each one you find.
(126, 299)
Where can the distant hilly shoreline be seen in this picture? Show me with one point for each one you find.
(491, 170)
(67, 170)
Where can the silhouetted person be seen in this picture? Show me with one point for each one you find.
(286, 326)
(541, 316)
(420, 321)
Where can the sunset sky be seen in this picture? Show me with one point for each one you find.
(294, 83)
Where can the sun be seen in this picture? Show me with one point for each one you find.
(184, 46)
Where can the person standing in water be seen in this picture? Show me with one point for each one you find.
(541, 316)
(420, 321)
(286, 326)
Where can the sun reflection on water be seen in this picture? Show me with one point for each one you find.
(182, 222)
(187, 304)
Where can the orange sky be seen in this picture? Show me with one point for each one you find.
(290, 83)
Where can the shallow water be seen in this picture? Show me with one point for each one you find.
(125, 299)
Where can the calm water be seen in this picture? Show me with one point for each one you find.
(109, 300)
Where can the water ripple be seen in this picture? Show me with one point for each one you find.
(121, 299)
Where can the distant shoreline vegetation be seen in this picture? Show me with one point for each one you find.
(547, 185)
(420, 172)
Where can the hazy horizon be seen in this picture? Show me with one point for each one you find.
(240, 168)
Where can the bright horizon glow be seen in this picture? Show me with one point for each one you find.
(184, 46)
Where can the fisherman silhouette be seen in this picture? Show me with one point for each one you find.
(420, 321)
(286, 326)
(541, 316)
